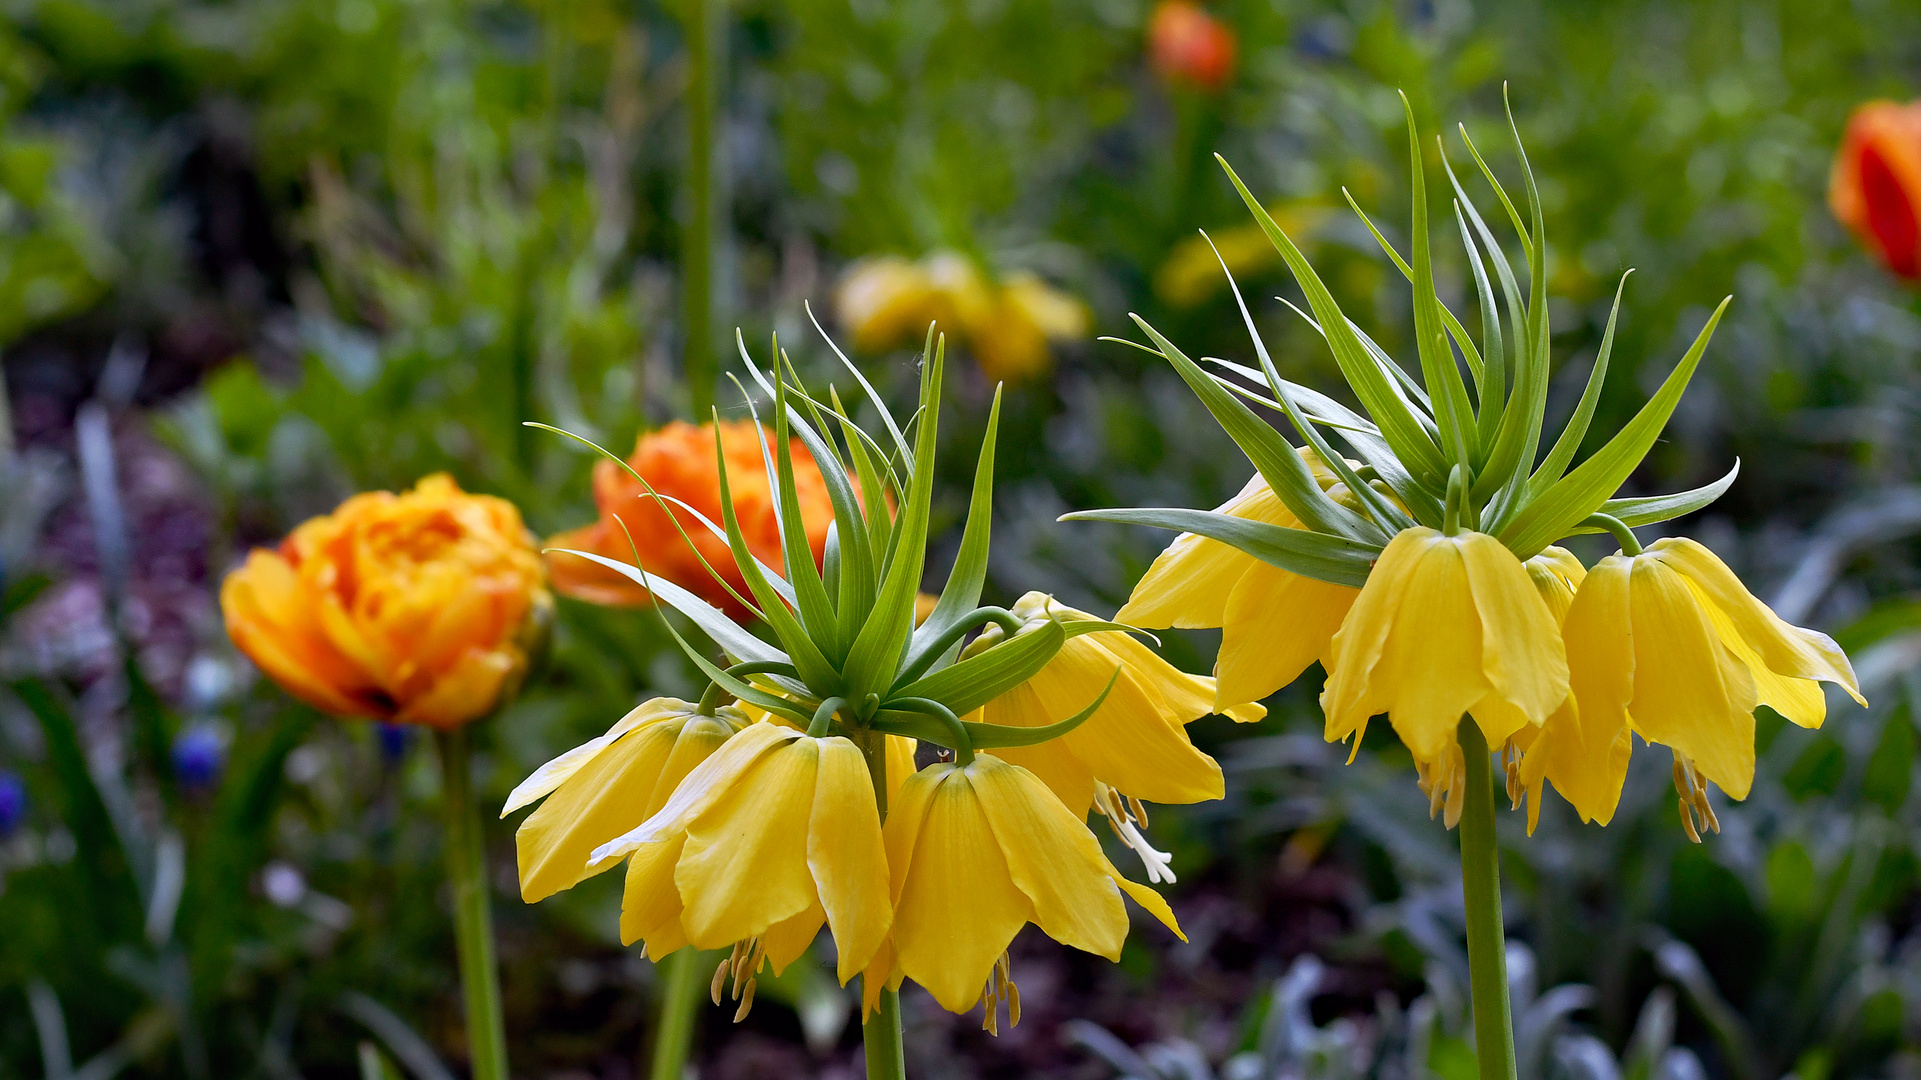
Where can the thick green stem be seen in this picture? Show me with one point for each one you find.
(880, 1033)
(697, 241)
(680, 996)
(1481, 890)
(473, 918)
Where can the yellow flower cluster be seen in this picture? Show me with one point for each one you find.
(887, 301)
(741, 831)
(1558, 665)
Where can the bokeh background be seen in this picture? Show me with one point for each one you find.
(256, 255)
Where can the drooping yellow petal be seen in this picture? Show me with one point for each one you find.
(650, 905)
(786, 940)
(1786, 650)
(1064, 773)
(1129, 743)
(1583, 746)
(1276, 624)
(544, 780)
(1556, 574)
(1690, 692)
(705, 784)
(958, 906)
(1521, 649)
(1052, 858)
(846, 855)
(745, 866)
(597, 804)
(900, 763)
(1800, 700)
(1188, 585)
(699, 738)
(1358, 645)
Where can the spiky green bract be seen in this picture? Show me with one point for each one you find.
(1444, 451)
(846, 656)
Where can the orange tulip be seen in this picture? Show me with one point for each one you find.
(678, 461)
(1187, 45)
(420, 608)
(1875, 188)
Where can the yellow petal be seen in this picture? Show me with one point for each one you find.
(1556, 574)
(900, 763)
(1690, 692)
(786, 940)
(595, 805)
(705, 784)
(544, 780)
(958, 906)
(846, 855)
(1183, 697)
(698, 739)
(745, 867)
(1064, 773)
(1052, 858)
(1800, 700)
(1277, 623)
(1786, 650)
(650, 904)
(1521, 649)
(1431, 671)
(1575, 747)
(1155, 904)
(1189, 584)
(1362, 639)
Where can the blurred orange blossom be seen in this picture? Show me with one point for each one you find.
(421, 608)
(1875, 188)
(678, 462)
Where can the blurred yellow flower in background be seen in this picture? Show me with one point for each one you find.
(420, 608)
(887, 301)
(1191, 272)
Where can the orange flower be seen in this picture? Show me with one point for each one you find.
(419, 608)
(678, 460)
(1187, 45)
(1876, 185)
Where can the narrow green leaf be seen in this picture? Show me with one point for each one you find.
(1454, 327)
(968, 684)
(887, 418)
(1438, 369)
(1594, 482)
(1493, 384)
(876, 653)
(1333, 559)
(1653, 509)
(810, 591)
(1273, 456)
(963, 589)
(1576, 430)
(1421, 456)
(732, 638)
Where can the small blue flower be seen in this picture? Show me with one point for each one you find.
(13, 802)
(394, 740)
(199, 757)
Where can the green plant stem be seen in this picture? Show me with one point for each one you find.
(473, 918)
(697, 241)
(679, 1007)
(880, 1033)
(1481, 891)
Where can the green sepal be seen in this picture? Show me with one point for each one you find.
(1333, 559)
(1585, 490)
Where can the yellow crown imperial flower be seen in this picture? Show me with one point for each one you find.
(609, 786)
(778, 830)
(772, 836)
(978, 850)
(1667, 642)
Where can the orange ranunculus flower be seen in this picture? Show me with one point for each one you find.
(1876, 185)
(678, 461)
(420, 608)
(1187, 45)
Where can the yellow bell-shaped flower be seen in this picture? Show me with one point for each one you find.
(1273, 623)
(1670, 644)
(1135, 742)
(1446, 625)
(609, 786)
(976, 852)
(1584, 765)
(774, 834)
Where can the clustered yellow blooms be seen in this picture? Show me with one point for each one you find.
(1423, 576)
(887, 300)
(750, 826)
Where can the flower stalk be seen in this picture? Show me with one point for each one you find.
(473, 916)
(1481, 893)
(880, 1033)
(680, 997)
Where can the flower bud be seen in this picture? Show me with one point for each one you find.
(1875, 188)
(1189, 46)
